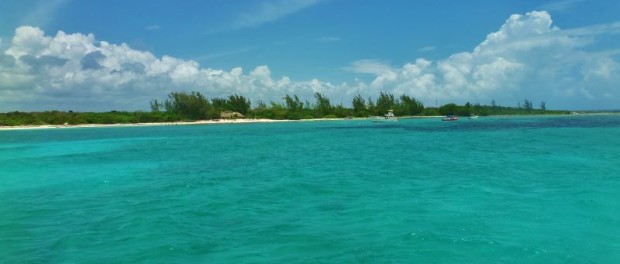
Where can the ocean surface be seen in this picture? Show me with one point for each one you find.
(491, 190)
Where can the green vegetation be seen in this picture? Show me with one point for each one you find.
(74, 118)
(485, 110)
(183, 106)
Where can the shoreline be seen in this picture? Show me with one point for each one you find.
(223, 121)
(180, 123)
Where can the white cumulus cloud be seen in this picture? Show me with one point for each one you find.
(528, 57)
(74, 71)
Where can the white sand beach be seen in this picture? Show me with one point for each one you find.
(200, 122)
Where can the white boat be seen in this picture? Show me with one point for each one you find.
(389, 117)
(473, 116)
(450, 117)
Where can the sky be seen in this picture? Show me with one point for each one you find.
(103, 55)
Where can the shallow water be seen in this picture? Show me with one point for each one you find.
(491, 190)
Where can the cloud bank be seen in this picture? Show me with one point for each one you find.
(527, 58)
(74, 71)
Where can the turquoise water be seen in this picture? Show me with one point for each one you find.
(491, 190)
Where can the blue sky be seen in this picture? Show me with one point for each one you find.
(102, 55)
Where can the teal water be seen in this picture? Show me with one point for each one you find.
(491, 190)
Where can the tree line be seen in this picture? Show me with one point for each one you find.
(525, 108)
(194, 105)
(191, 106)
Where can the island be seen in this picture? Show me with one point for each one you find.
(195, 108)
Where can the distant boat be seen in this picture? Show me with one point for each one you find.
(450, 118)
(473, 116)
(389, 117)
